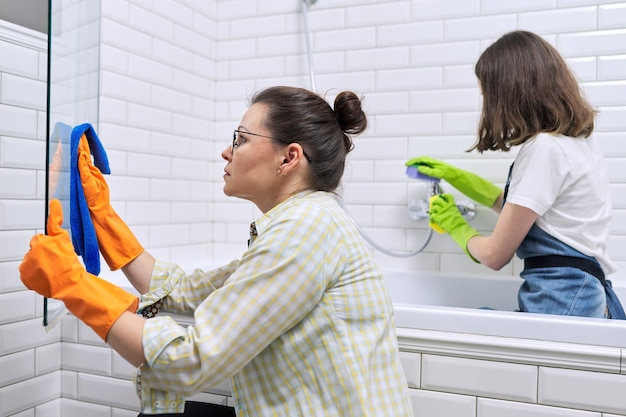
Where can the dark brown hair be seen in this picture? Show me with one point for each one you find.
(527, 89)
(301, 116)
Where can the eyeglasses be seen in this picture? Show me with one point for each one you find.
(238, 140)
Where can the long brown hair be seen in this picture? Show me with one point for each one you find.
(527, 89)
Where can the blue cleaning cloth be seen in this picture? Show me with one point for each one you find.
(83, 231)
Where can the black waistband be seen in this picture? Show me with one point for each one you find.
(550, 261)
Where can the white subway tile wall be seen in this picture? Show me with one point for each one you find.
(174, 81)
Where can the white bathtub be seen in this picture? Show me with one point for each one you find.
(452, 303)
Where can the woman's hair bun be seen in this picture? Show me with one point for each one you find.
(350, 115)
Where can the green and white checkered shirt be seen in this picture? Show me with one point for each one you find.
(302, 324)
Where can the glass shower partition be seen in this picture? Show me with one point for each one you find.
(73, 91)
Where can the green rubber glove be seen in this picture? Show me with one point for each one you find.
(478, 189)
(446, 215)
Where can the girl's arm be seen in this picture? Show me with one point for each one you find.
(497, 250)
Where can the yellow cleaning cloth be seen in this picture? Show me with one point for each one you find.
(435, 227)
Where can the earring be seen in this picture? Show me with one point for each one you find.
(278, 171)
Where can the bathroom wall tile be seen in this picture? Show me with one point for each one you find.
(375, 193)
(479, 27)
(16, 306)
(17, 367)
(191, 212)
(385, 103)
(287, 44)
(190, 126)
(172, 55)
(448, 100)
(611, 119)
(324, 19)
(26, 334)
(117, 10)
(612, 67)
(157, 74)
(162, 235)
(21, 214)
(378, 58)
(174, 11)
(410, 33)
(149, 166)
(585, 69)
(51, 409)
(345, 40)
(484, 378)
(436, 404)
(456, 76)
(198, 236)
(151, 23)
(18, 121)
(570, 388)
(120, 368)
(378, 14)
(264, 67)
(238, 233)
(22, 153)
(445, 53)
(113, 111)
(497, 408)
(90, 359)
(257, 26)
(148, 212)
(23, 395)
(559, 20)
(368, 149)
(411, 364)
(444, 9)
(606, 93)
(48, 358)
(86, 336)
(107, 391)
(69, 384)
(23, 62)
(73, 408)
(23, 92)
(26, 413)
(118, 412)
(170, 99)
(592, 43)
(409, 124)
(125, 37)
(125, 88)
(389, 239)
(612, 16)
(573, 3)
(9, 277)
(69, 329)
(497, 6)
(409, 79)
(14, 243)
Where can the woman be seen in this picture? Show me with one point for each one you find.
(302, 324)
(556, 209)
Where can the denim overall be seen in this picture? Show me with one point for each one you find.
(562, 280)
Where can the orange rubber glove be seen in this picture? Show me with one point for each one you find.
(52, 269)
(446, 215)
(117, 243)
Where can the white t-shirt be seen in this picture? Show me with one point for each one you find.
(564, 181)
